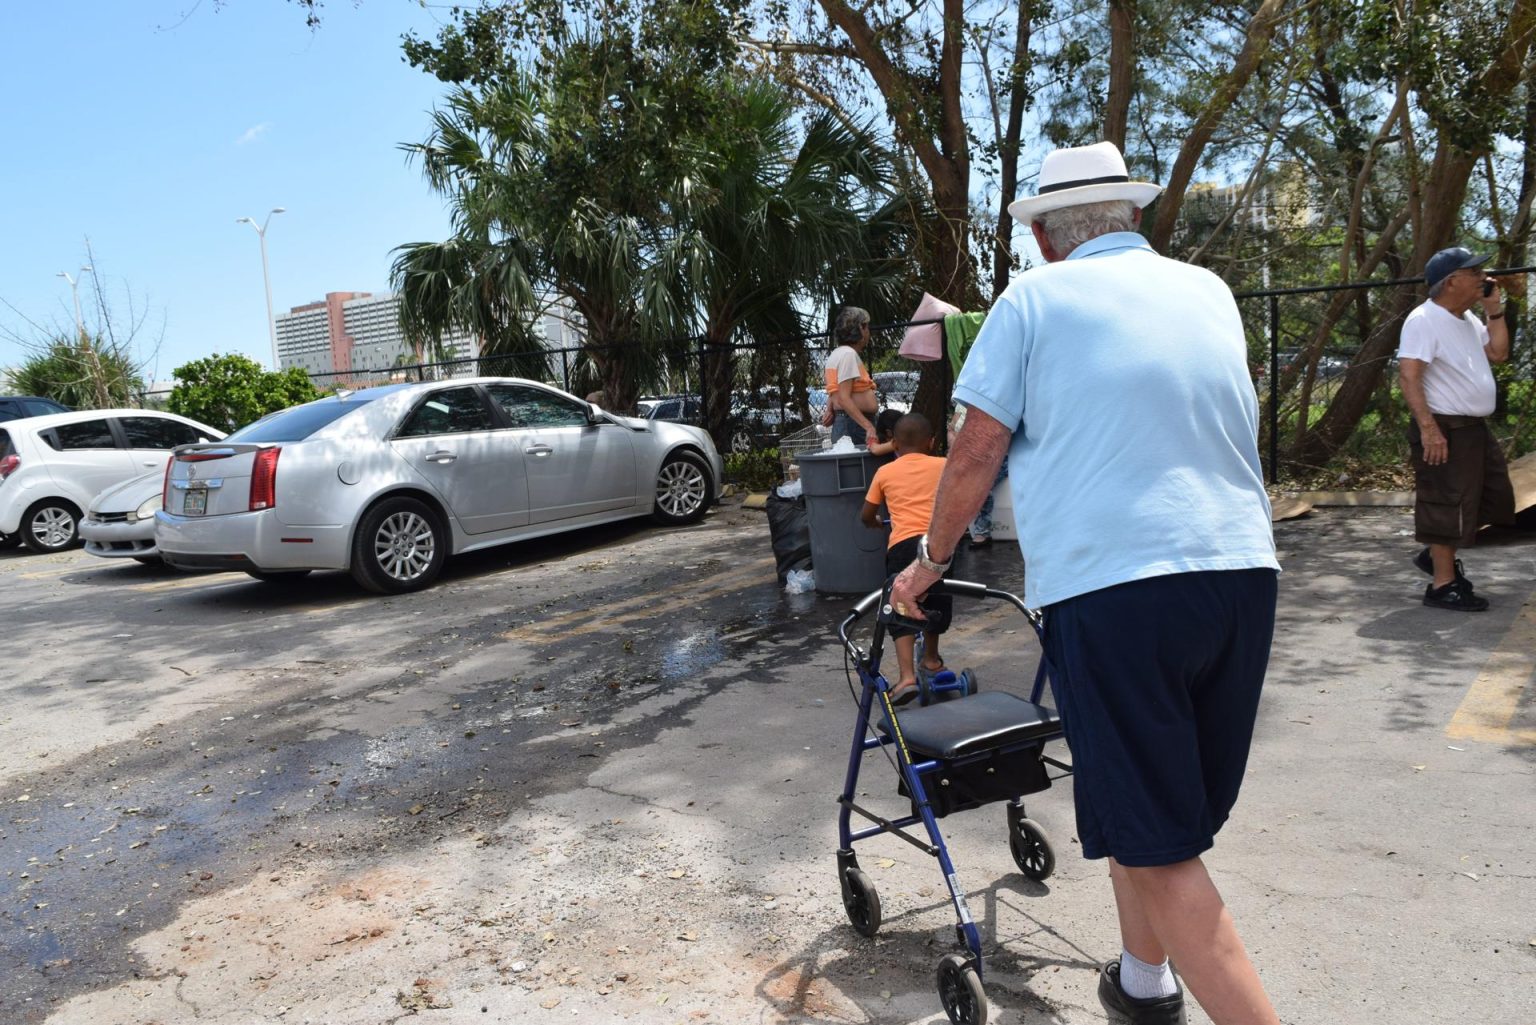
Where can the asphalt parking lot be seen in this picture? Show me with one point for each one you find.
(592, 778)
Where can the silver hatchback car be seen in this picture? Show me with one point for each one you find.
(387, 482)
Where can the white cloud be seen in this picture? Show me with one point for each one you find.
(252, 134)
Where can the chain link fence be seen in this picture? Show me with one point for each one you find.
(1311, 349)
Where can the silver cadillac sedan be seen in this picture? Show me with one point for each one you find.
(387, 482)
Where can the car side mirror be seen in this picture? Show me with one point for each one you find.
(595, 414)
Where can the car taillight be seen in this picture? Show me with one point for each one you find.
(8, 466)
(165, 485)
(264, 479)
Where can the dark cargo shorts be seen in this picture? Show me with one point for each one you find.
(1470, 489)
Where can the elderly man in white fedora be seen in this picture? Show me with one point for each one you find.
(1115, 382)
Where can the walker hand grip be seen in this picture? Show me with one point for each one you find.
(866, 603)
(964, 588)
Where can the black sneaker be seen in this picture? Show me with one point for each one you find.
(1456, 595)
(1151, 1011)
(1427, 565)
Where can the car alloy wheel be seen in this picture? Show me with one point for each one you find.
(50, 526)
(682, 489)
(405, 545)
(400, 545)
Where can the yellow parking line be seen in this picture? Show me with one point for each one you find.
(184, 583)
(48, 574)
(1494, 697)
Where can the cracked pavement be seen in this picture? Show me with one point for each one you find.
(592, 778)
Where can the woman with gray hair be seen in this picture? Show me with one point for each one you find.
(851, 396)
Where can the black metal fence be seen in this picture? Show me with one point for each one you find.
(1306, 345)
(1311, 346)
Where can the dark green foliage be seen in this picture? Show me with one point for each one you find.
(84, 374)
(755, 471)
(231, 391)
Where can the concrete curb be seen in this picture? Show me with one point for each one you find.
(1375, 499)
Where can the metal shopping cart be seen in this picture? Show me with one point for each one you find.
(956, 750)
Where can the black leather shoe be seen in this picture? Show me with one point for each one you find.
(1456, 595)
(1426, 564)
(1152, 1011)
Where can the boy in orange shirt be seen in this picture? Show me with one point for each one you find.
(907, 487)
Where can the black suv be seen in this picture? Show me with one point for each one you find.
(15, 407)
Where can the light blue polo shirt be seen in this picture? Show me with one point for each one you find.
(1124, 376)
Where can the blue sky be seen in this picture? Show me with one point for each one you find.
(149, 126)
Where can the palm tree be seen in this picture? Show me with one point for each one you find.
(521, 239)
(735, 227)
(774, 222)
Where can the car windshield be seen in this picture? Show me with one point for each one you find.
(297, 423)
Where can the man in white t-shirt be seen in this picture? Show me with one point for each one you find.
(1460, 477)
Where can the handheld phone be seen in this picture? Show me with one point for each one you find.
(1487, 287)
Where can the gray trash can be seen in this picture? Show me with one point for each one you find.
(846, 556)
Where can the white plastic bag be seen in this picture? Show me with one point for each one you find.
(799, 581)
(790, 489)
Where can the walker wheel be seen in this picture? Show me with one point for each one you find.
(1031, 850)
(969, 684)
(861, 902)
(960, 991)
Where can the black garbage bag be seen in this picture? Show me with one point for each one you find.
(789, 526)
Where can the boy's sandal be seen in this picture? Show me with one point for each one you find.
(905, 695)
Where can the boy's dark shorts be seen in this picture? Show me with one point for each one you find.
(897, 558)
(1470, 489)
(1157, 682)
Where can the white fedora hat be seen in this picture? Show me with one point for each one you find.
(1082, 174)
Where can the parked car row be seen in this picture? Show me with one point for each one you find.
(52, 466)
(755, 421)
(384, 483)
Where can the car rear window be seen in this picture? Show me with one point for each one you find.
(297, 423)
(155, 432)
(83, 435)
(7, 447)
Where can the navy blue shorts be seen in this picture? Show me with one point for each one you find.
(1157, 682)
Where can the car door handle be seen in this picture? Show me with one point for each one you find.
(441, 456)
(538, 450)
(153, 462)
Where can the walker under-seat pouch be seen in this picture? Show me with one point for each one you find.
(988, 747)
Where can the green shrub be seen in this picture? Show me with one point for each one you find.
(755, 471)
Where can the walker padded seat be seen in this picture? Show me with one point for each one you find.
(980, 722)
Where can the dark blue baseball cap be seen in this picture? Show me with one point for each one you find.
(1447, 261)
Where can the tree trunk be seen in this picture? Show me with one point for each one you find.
(717, 375)
(1122, 70)
(1008, 154)
(946, 160)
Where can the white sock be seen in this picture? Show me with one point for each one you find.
(1145, 981)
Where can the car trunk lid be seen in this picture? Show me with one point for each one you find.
(219, 479)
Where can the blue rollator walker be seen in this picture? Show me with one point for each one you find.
(956, 750)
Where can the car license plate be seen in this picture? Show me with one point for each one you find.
(195, 503)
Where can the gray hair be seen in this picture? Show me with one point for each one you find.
(1071, 226)
(1438, 287)
(850, 324)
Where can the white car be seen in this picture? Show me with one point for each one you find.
(388, 482)
(52, 466)
(120, 524)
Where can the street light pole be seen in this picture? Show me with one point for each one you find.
(266, 277)
(74, 288)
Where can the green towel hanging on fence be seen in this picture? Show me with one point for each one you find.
(960, 330)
